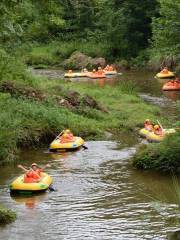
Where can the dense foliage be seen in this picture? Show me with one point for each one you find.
(166, 36)
(125, 26)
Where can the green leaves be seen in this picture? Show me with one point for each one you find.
(166, 36)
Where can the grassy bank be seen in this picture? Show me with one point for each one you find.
(6, 215)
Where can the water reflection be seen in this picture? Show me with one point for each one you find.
(174, 95)
(30, 201)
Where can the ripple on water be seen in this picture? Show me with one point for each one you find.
(99, 197)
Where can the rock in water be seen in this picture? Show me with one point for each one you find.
(79, 61)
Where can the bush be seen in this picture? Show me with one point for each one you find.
(6, 216)
(162, 157)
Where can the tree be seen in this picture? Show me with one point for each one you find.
(166, 29)
(129, 26)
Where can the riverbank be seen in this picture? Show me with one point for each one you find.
(34, 110)
(6, 216)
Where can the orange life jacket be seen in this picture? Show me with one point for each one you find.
(67, 139)
(32, 176)
(110, 68)
(148, 126)
(100, 72)
(165, 71)
(158, 131)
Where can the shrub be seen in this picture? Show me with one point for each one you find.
(6, 216)
(161, 157)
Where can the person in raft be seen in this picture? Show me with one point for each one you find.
(100, 71)
(106, 68)
(148, 125)
(85, 70)
(70, 71)
(111, 68)
(67, 136)
(165, 70)
(33, 174)
(158, 130)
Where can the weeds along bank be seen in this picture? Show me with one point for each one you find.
(6, 216)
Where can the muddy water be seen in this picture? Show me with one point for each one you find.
(99, 195)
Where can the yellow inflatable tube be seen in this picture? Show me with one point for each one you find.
(152, 137)
(165, 75)
(70, 146)
(18, 184)
(143, 132)
(76, 75)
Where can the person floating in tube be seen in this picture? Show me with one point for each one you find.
(33, 174)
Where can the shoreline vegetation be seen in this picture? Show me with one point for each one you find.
(6, 216)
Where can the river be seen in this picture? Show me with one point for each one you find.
(99, 195)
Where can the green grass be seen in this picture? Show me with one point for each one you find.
(6, 216)
(52, 54)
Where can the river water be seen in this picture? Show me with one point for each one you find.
(99, 195)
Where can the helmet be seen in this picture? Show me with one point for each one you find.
(34, 164)
(147, 120)
(94, 70)
(99, 68)
(67, 131)
(156, 127)
(70, 71)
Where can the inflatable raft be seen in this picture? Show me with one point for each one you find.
(95, 76)
(152, 137)
(19, 186)
(110, 72)
(143, 132)
(76, 75)
(165, 75)
(56, 145)
(171, 86)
